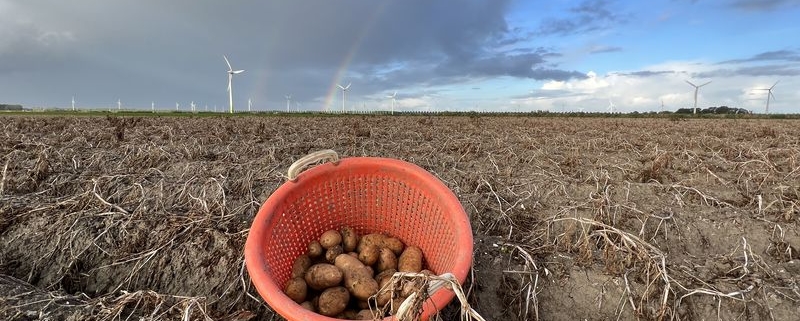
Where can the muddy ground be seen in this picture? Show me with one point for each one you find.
(109, 218)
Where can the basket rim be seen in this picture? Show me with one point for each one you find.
(273, 295)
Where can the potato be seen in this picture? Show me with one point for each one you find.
(349, 239)
(369, 254)
(396, 302)
(296, 289)
(332, 253)
(333, 301)
(385, 293)
(365, 314)
(386, 274)
(353, 254)
(374, 239)
(314, 249)
(411, 286)
(348, 314)
(393, 244)
(386, 260)
(356, 277)
(410, 260)
(301, 264)
(330, 239)
(308, 306)
(321, 276)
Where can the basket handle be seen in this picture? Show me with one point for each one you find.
(299, 165)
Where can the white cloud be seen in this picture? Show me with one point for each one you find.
(644, 90)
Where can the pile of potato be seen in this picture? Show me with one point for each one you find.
(342, 271)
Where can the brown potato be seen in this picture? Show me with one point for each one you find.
(296, 289)
(322, 276)
(308, 306)
(385, 293)
(332, 253)
(333, 301)
(410, 260)
(396, 302)
(301, 264)
(386, 260)
(369, 254)
(356, 277)
(347, 314)
(365, 314)
(330, 239)
(393, 244)
(386, 274)
(374, 239)
(349, 239)
(315, 249)
(411, 286)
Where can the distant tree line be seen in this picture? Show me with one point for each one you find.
(10, 107)
(714, 110)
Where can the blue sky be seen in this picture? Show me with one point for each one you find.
(438, 55)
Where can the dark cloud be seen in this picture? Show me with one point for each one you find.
(778, 55)
(764, 5)
(766, 70)
(604, 49)
(172, 51)
(589, 15)
(646, 73)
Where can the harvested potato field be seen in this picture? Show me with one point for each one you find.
(145, 218)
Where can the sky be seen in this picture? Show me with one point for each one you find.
(437, 55)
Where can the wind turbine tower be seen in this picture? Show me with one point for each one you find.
(249, 104)
(344, 93)
(288, 99)
(392, 97)
(73, 103)
(153, 106)
(193, 106)
(119, 104)
(231, 72)
(769, 93)
(610, 107)
(696, 89)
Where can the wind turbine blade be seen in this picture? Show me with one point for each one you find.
(689, 82)
(348, 86)
(227, 62)
(773, 86)
(237, 71)
(340, 87)
(704, 84)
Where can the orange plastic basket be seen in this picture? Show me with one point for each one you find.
(370, 195)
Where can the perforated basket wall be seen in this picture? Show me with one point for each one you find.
(370, 195)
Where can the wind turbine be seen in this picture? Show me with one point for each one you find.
(231, 72)
(769, 93)
(696, 89)
(73, 103)
(153, 106)
(392, 96)
(119, 104)
(610, 107)
(193, 106)
(177, 105)
(344, 93)
(288, 99)
(249, 104)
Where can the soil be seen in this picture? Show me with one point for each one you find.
(111, 218)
